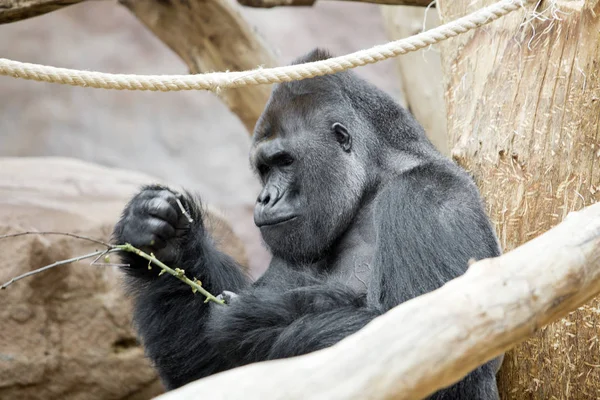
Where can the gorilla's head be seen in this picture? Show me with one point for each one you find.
(315, 149)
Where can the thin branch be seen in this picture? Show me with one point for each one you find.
(195, 284)
(177, 272)
(106, 263)
(56, 264)
(12, 235)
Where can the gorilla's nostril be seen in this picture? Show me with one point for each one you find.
(266, 200)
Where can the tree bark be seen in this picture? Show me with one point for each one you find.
(523, 103)
(211, 36)
(16, 10)
(434, 340)
(420, 72)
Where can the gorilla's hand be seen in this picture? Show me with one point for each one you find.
(228, 297)
(154, 222)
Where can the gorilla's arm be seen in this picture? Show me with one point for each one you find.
(430, 222)
(435, 205)
(270, 322)
(171, 319)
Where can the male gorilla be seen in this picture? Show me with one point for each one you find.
(360, 212)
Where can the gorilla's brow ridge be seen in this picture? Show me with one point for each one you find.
(265, 132)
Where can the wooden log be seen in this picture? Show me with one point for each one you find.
(16, 10)
(211, 36)
(421, 72)
(278, 3)
(523, 103)
(434, 340)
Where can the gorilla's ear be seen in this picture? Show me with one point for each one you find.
(317, 54)
(342, 136)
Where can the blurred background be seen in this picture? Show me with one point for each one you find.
(185, 138)
(70, 157)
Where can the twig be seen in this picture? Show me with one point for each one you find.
(56, 264)
(106, 263)
(177, 272)
(184, 211)
(89, 239)
(195, 284)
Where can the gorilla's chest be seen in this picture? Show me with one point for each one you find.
(354, 266)
(352, 259)
(358, 277)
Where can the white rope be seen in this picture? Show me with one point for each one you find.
(223, 80)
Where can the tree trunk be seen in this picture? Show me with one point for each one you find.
(523, 103)
(16, 10)
(211, 36)
(420, 72)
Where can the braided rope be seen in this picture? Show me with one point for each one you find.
(223, 80)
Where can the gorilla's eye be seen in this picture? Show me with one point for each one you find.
(342, 136)
(263, 169)
(282, 160)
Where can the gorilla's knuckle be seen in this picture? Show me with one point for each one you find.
(159, 207)
(145, 193)
(161, 228)
(168, 195)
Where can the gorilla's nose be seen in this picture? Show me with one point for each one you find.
(272, 208)
(268, 197)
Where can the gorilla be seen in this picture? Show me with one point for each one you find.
(359, 211)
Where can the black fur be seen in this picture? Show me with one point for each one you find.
(360, 212)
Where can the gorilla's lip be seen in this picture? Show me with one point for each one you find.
(276, 221)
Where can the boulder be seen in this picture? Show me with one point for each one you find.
(66, 333)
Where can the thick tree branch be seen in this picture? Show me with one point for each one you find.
(211, 36)
(276, 3)
(16, 10)
(434, 340)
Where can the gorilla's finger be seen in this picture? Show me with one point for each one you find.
(142, 238)
(149, 192)
(168, 254)
(159, 227)
(169, 196)
(161, 208)
(228, 297)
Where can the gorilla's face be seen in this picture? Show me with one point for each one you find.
(312, 180)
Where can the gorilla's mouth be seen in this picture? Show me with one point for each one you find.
(275, 221)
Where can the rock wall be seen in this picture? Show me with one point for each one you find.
(66, 333)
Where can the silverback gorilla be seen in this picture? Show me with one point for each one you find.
(360, 212)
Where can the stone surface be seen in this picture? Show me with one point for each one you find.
(66, 333)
